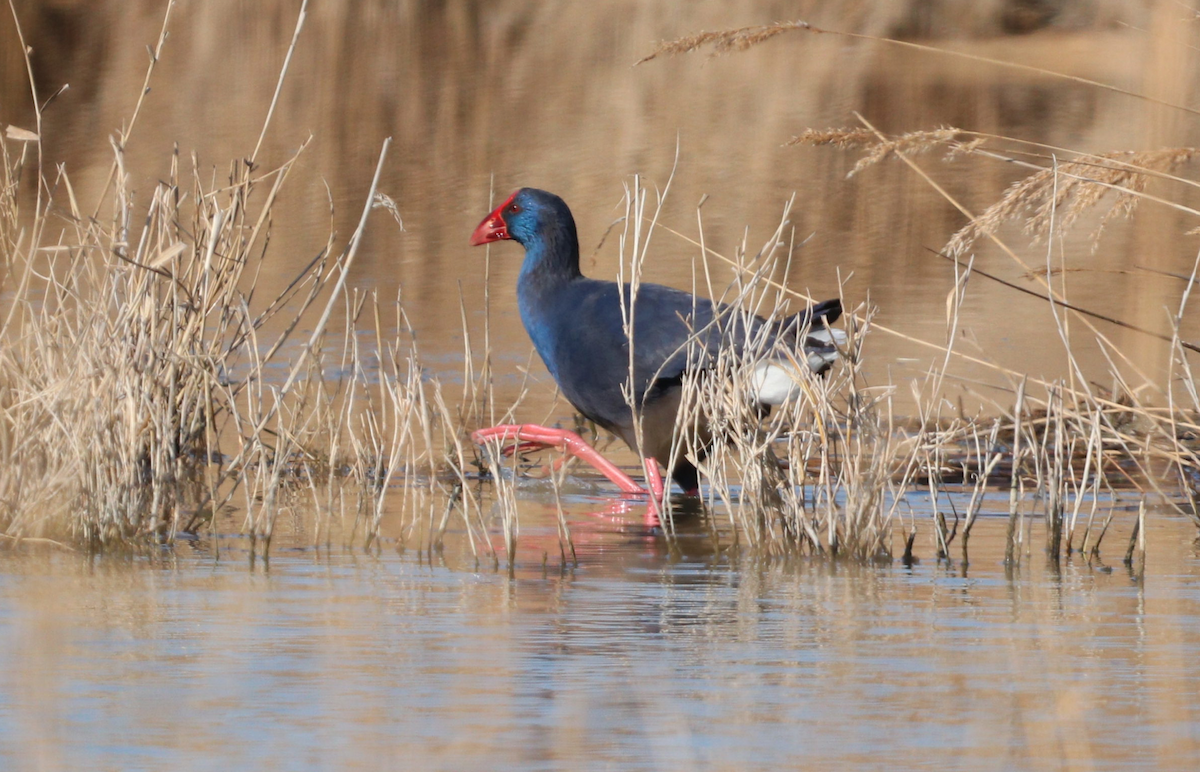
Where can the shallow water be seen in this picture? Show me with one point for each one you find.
(633, 659)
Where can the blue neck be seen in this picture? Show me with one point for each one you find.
(551, 253)
(551, 264)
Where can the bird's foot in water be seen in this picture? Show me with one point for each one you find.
(528, 436)
(532, 436)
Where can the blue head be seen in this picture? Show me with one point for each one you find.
(538, 221)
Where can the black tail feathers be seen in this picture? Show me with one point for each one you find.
(827, 311)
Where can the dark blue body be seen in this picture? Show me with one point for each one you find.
(578, 329)
(577, 324)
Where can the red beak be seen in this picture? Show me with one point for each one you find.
(493, 227)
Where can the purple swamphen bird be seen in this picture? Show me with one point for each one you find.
(578, 328)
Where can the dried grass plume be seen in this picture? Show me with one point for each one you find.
(724, 41)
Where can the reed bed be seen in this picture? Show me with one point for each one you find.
(832, 473)
(142, 394)
(838, 473)
(146, 385)
(148, 388)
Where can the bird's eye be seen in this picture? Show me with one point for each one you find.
(514, 208)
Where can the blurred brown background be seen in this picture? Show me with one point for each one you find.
(482, 97)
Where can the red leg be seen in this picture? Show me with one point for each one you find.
(654, 479)
(655, 482)
(568, 442)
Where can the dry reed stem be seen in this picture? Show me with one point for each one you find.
(1074, 187)
(878, 147)
(724, 41)
(839, 509)
(1101, 404)
(1005, 248)
(153, 324)
(132, 356)
(1100, 420)
(740, 39)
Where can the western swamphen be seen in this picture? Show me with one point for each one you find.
(578, 326)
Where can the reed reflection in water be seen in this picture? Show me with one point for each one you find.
(333, 661)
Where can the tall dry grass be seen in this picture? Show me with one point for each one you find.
(1064, 446)
(147, 384)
